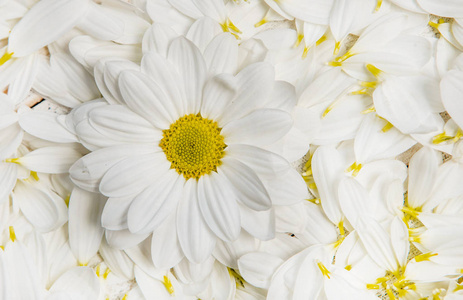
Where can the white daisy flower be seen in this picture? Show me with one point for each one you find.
(184, 154)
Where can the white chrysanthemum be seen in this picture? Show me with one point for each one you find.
(183, 154)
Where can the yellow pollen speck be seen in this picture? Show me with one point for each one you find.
(12, 234)
(348, 267)
(81, 264)
(106, 273)
(371, 286)
(6, 57)
(13, 160)
(323, 269)
(263, 21)
(168, 284)
(459, 287)
(300, 37)
(337, 47)
(35, 175)
(378, 5)
(373, 70)
(321, 40)
(2, 247)
(306, 51)
(193, 145)
(387, 127)
(228, 26)
(125, 297)
(66, 200)
(341, 227)
(369, 110)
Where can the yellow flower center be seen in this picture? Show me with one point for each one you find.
(193, 145)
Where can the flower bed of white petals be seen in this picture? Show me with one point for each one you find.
(231, 149)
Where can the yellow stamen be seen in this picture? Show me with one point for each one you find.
(372, 286)
(378, 5)
(414, 212)
(323, 269)
(369, 110)
(12, 234)
(341, 227)
(459, 287)
(415, 239)
(13, 160)
(369, 84)
(373, 70)
(314, 201)
(338, 243)
(97, 270)
(106, 273)
(387, 127)
(312, 186)
(125, 297)
(2, 247)
(321, 40)
(168, 284)
(355, 168)
(424, 256)
(391, 295)
(337, 47)
(360, 92)
(6, 57)
(348, 267)
(260, 23)
(300, 37)
(305, 52)
(66, 200)
(35, 175)
(82, 264)
(443, 137)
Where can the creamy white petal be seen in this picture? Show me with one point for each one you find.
(259, 224)
(327, 167)
(194, 235)
(88, 171)
(20, 87)
(354, 200)
(114, 214)
(158, 38)
(80, 282)
(112, 69)
(101, 24)
(212, 8)
(44, 124)
(222, 54)
(265, 163)
(189, 63)
(257, 268)
(260, 128)
(8, 177)
(147, 99)
(50, 159)
(218, 205)
(117, 122)
(286, 189)
(165, 247)
(124, 239)
(39, 208)
(150, 287)
(218, 93)
(452, 92)
(157, 202)
(317, 11)
(117, 260)
(11, 138)
(132, 175)
(203, 31)
(85, 230)
(247, 186)
(399, 240)
(187, 8)
(44, 23)
(445, 8)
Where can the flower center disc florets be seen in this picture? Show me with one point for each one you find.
(193, 145)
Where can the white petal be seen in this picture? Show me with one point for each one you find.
(114, 214)
(317, 11)
(39, 208)
(259, 224)
(50, 159)
(259, 128)
(218, 205)
(218, 92)
(11, 138)
(33, 33)
(81, 282)
(190, 64)
(88, 171)
(354, 200)
(20, 87)
(212, 8)
(257, 268)
(117, 261)
(157, 202)
(195, 237)
(222, 54)
(101, 24)
(399, 240)
(247, 186)
(445, 8)
(158, 38)
(327, 167)
(452, 93)
(132, 175)
(202, 31)
(422, 175)
(85, 230)
(44, 124)
(150, 287)
(287, 188)
(124, 239)
(147, 99)
(8, 177)
(165, 247)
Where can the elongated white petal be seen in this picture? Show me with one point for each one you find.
(132, 175)
(399, 240)
(158, 38)
(218, 205)
(162, 72)
(157, 202)
(327, 167)
(343, 284)
(422, 175)
(8, 177)
(289, 188)
(88, 171)
(22, 84)
(11, 138)
(117, 260)
(354, 200)
(165, 247)
(85, 230)
(203, 31)
(50, 159)
(194, 235)
(257, 268)
(259, 224)
(246, 184)
(150, 287)
(44, 124)
(445, 8)
(260, 128)
(79, 282)
(146, 98)
(38, 207)
(100, 23)
(212, 8)
(452, 93)
(219, 91)
(222, 54)
(114, 214)
(44, 23)
(317, 11)
(190, 64)
(124, 239)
